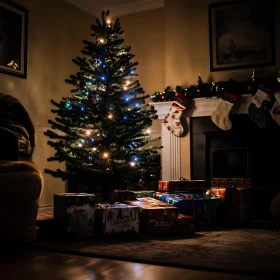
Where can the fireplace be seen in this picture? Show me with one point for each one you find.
(246, 149)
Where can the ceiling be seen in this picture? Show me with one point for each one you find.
(116, 7)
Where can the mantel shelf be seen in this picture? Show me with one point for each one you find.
(202, 107)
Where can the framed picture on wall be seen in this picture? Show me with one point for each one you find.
(13, 39)
(241, 34)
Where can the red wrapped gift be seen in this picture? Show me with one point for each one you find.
(156, 217)
(231, 182)
(185, 225)
(196, 186)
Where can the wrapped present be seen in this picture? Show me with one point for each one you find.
(200, 206)
(197, 186)
(158, 194)
(121, 196)
(218, 192)
(156, 217)
(74, 214)
(237, 204)
(145, 193)
(231, 182)
(116, 219)
(185, 225)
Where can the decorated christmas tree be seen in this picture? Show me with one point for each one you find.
(101, 130)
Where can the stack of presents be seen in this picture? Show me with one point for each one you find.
(176, 208)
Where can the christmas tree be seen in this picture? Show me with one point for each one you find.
(101, 130)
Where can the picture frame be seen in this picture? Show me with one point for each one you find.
(241, 35)
(13, 39)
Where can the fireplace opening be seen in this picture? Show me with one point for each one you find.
(229, 163)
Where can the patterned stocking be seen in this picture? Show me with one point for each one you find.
(172, 119)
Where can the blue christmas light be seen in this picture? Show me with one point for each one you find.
(86, 93)
(82, 108)
(133, 143)
(103, 65)
(102, 78)
(91, 139)
(131, 71)
(90, 158)
(135, 159)
(126, 99)
(125, 117)
(137, 105)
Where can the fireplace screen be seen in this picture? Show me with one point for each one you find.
(229, 162)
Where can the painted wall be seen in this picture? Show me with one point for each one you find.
(55, 34)
(187, 53)
(179, 52)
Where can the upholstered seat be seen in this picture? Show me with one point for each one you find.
(20, 189)
(20, 179)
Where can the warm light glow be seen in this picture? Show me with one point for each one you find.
(108, 21)
(110, 116)
(94, 149)
(148, 131)
(80, 145)
(132, 163)
(125, 87)
(88, 132)
(105, 155)
(101, 40)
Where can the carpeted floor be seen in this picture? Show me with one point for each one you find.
(249, 251)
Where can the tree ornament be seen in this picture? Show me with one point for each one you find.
(92, 87)
(93, 97)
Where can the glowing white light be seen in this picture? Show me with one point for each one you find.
(132, 163)
(148, 131)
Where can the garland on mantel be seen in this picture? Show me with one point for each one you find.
(217, 89)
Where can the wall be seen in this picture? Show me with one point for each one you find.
(187, 53)
(144, 32)
(172, 46)
(55, 34)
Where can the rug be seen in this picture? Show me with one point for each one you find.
(243, 251)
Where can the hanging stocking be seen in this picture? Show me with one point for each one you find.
(172, 119)
(220, 116)
(259, 108)
(275, 110)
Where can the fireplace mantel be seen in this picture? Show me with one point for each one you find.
(199, 107)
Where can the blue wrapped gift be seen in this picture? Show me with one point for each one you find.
(200, 206)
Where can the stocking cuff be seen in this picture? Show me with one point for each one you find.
(259, 97)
